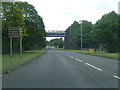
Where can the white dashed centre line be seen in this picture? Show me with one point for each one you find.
(71, 56)
(116, 77)
(93, 67)
(78, 59)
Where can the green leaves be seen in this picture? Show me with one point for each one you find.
(13, 17)
(104, 33)
(22, 14)
(56, 42)
(75, 30)
(107, 31)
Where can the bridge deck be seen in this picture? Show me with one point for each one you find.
(56, 34)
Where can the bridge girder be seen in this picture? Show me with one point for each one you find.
(53, 33)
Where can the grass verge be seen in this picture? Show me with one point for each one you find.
(98, 53)
(15, 62)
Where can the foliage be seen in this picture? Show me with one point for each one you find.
(104, 33)
(57, 42)
(12, 17)
(22, 14)
(118, 33)
(87, 38)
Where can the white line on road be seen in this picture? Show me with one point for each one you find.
(71, 56)
(117, 77)
(93, 67)
(78, 59)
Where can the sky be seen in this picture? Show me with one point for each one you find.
(60, 14)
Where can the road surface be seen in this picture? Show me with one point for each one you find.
(64, 69)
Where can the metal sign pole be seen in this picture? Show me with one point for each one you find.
(21, 47)
(81, 22)
(11, 47)
(15, 32)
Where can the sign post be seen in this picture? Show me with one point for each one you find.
(20, 46)
(15, 32)
(11, 47)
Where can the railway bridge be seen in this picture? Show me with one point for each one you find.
(68, 42)
(56, 33)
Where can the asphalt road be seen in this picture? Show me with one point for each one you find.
(64, 69)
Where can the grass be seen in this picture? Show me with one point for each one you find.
(108, 55)
(14, 62)
(61, 48)
(78, 51)
(97, 53)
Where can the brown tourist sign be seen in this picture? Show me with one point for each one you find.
(15, 32)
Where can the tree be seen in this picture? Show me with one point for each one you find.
(118, 33)
(12, 18)
(86, 37)
(35, 27)
(70, 41)
(75, 35)
(106, 31)
(57, 42)
(22, 14)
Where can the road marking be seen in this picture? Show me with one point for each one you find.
(71, 56)
(93, 67)
(117, 77)
(78, 59)
(67, 55)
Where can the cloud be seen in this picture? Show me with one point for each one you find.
(60, 14)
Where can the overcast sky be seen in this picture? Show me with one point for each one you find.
(60, 14)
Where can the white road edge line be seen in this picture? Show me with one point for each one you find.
(78, 59)
(116, 77)
(93, 67)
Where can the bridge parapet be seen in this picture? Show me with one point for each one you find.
(56, 33)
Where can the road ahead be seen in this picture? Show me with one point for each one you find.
(64, 69)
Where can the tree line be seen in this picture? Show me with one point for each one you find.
(103, 34)
(58, 42)
(24, 15)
